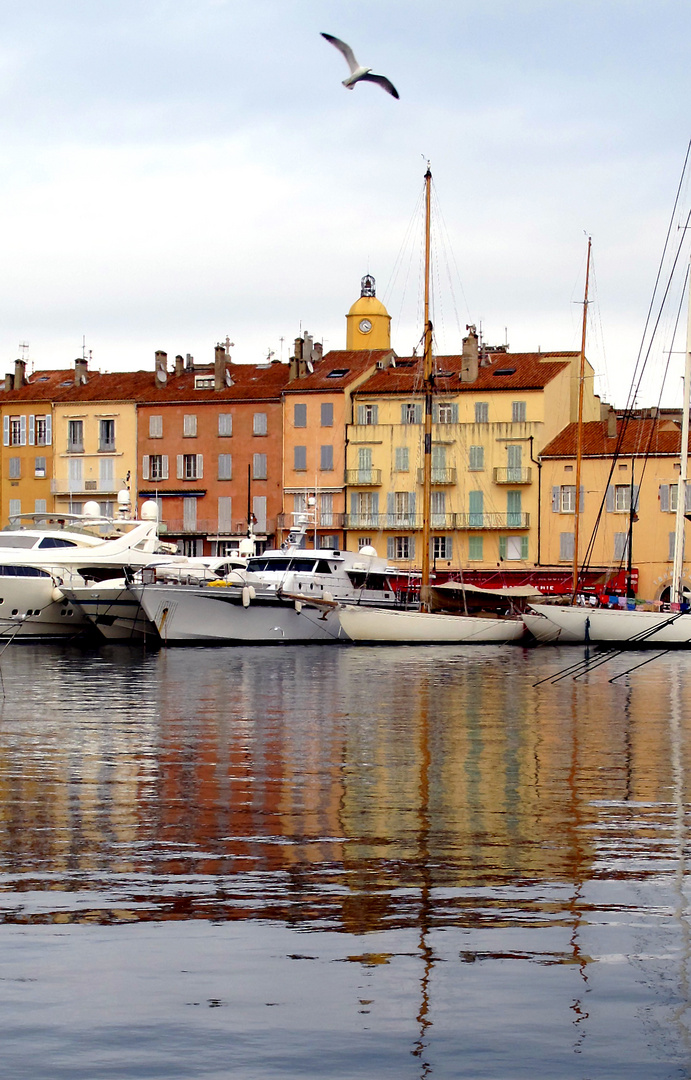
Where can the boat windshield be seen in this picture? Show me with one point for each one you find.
(302, 565)
(16, 541)
(56, 542)
(22, 571)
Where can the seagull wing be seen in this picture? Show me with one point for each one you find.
(383, 82)
(345, 49)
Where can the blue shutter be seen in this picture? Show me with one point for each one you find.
(664, 497)
(411, 507)
(389, 508)
(524, 547)
(502, 547)
(556, 494)
(435, 412)
(610, 499)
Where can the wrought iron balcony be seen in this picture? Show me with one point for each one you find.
(363, 477)
(64, 486)
(439, 476)
(493, 521)
(513, 476)
(324, 520)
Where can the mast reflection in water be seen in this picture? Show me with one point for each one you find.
(340, 862)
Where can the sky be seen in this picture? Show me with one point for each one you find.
(175, 173)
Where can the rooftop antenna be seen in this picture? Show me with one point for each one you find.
(24, 347)
(281, 339)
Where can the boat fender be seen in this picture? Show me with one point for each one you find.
(246, 596)
(298, 606)
(252, 591)
(57, 594)
(328, 595)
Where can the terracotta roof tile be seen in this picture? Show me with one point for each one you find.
(353, 363)
(525, 371)
(640, 436)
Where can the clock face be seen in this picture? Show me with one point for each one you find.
(365, 326)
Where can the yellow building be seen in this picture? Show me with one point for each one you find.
(27, 445)
(626, 462)
(493, 413)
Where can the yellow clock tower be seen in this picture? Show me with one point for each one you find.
(368, 321)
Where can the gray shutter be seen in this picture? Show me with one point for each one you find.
(636, 489)
(32, 430)
(22, 431)
(418, 414)
(411, 507)
(361, 415)
(375, 505)
(664, 497)
(411, 548)
(454, 413)
(6, 430)
(145, 467)
(390, 547)
(181, 467)
(556, 494)
(610, 499)
(581, 499)
(375, 414)
(49, 429)
(200, 466)
(687, 497)
(354, 505)
(435, 412)
(164, 467)
(404, 417)
(390, 507)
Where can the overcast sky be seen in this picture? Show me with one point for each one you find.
(175, 171)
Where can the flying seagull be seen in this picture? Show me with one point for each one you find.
(357, 72)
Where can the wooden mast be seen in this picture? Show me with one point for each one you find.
(677, 590)
(428, 385)
(579, 435)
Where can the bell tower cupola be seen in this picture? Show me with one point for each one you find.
(368, 321)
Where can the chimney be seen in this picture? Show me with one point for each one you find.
(179, 366)
(9, 382)
(189, 362)
(19, 374)
(161, 368)
(292, 369)
(470, 356)
(318, 351)
(81, 368)
(298, 348)
(220, 357)
(611, 423)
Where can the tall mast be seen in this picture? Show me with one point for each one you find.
(678, 567)
(428, 384)
(579, 433)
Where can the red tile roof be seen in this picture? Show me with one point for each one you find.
(353, 363)
(525, 371)
(638, 437)
(251, 382)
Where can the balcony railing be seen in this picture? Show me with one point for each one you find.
(63, 486)
(493, 521)
(439, 476)
(363, 477)
(106, 447)
(210, 527)
(513, 476)
(327, 520)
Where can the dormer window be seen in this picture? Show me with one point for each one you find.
(203, 382)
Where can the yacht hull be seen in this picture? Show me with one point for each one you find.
(113, 611)
(216, 615)
(604, 626)
(379, 626)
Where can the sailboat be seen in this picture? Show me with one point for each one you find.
(637, 628)
(425, 626)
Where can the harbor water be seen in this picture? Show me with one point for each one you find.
(343, 862)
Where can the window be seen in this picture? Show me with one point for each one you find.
(411, 413)
(403, 507)
(364, 509)
(300, 458)
(401, 547)
(190, 467)
(438, 464)
(299, 415)
(438, 509)
(225, 467)
(189, 425)
(622, 497)
(40, 506)
(327, 414)
(158, 467)
(39, 468)
(15, 509)
(225, 514)
(568, 499)
(364, 541)
(401, 459)
(513, 548)
(447, 413)
(259, 424)
(225, 424)
(74, 476)
(40, 430)
(189, 513)
(442, 547)
(326, 510)
(15, 468)
(475, 548)
(155, 427)
(514, 461)
(481, 412)
(299, 503)
(566, 547)
(259, 512)
(259, 467)
(106, 435)
(513, 510)
(364, 465)
(75, 436)
(326, 458)
(367, 414)
(15, 430)
(476, 458)
(620, 545)
(475, 509)
(518, 412)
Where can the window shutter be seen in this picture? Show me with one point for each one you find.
(375, 504)
(524, 547)
(361, 415)
(354, 504)
(225, 513)
(6, 430)
(411, 548)
(32, 430)
(454, 417)
(610, 499)
(670, 553)
(49, 429)
(687, 497)
(390, 507)
(375, 414)
(566, 546)
(418, 414)
(22, 431)
(502, 547)
(411, 506)
(145, 467)
(164, 467)
(581, 499)
(556, 494)
(404, 413)
(435, 412)
(200, 466)
(664, 497)
(181, 467)
(390, 547)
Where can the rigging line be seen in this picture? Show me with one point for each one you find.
(649, 660)
(447, 248)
